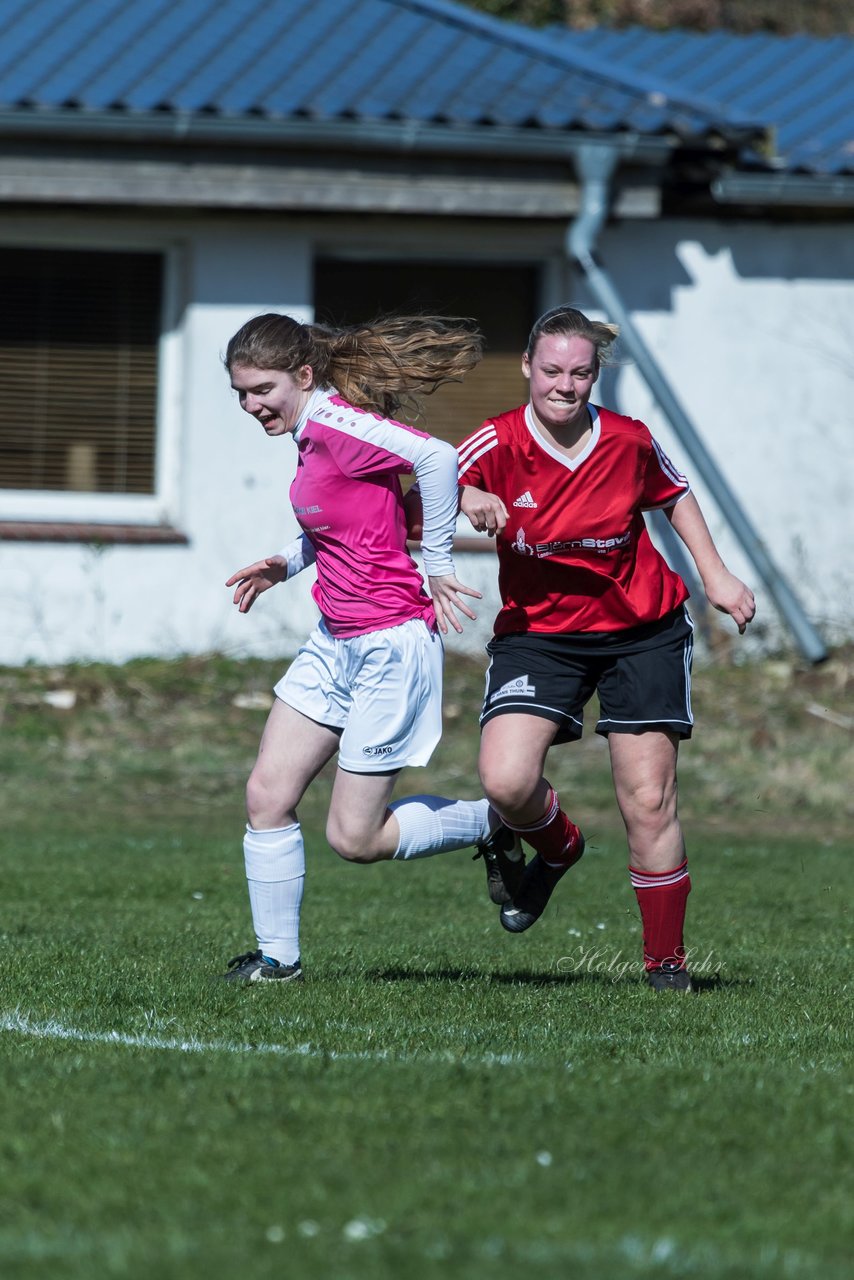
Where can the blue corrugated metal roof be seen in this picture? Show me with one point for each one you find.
(802, 86)
(327, 60)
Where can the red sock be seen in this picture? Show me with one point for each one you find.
(557, 840)
(662, 897)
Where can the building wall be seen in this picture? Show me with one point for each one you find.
(229, 489)
(752, 324)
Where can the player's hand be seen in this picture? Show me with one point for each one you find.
(256, 578)
(445, 591)
(728, 594)
(486, 511)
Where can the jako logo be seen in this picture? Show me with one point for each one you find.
(376, 751)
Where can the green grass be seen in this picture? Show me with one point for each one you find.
(439, 1098)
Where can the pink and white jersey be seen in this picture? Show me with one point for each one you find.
(348, 500)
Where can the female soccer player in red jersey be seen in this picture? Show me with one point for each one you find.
(588, 605)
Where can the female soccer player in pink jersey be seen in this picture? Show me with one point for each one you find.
(589, 605)
(367, 684)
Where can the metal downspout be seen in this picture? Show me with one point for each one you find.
(596, 165)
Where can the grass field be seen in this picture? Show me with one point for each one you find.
(439, 1098)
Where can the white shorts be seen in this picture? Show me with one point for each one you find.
(383, 690)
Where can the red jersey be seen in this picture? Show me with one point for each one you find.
(575, 554)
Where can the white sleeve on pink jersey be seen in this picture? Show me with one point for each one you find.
(298, 555)
(371, 445)
(436, 473)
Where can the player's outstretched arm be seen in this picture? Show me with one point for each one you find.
(256, 578)
(725, 592)
(486, 511)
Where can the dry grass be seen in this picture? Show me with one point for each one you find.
(773, 746)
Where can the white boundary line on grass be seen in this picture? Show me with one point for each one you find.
(19, 1024)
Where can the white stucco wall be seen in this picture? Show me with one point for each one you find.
(752, 323)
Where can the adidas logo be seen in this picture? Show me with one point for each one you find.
(525, 500)
(521, 687)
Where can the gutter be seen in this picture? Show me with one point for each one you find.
(787, 190)
(386, 136)
(595, 166)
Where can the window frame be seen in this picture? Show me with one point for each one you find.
(41, 509)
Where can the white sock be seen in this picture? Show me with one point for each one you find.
(429, 825)
(275, 873)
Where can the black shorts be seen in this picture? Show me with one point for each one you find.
(642, 677)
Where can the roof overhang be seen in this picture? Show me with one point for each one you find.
(284, 187)
(402, 137)
(167, 160)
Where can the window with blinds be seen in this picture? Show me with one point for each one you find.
(502, 299)
(79, 334)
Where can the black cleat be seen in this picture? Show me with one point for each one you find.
(254, 966)
(505, 863)
(669, 976)
(532, 897)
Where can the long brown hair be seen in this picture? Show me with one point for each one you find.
(378, 366)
